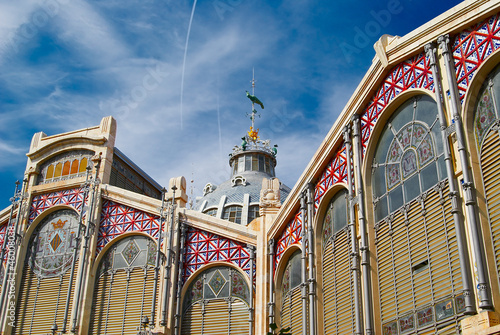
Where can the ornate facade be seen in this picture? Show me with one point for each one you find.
(393, 228)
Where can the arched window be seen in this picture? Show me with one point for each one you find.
(211, 212)
(291, 303)
(486, 132)
(416, 248)
(409, 157)
(64, 166)
(216, 302)
(232, 213)
(338, 294)
(123, 291)
(45, 281)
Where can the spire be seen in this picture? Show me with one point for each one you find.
(253, 134)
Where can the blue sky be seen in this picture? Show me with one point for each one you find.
(65, 64)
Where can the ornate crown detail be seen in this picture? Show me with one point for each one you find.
(59, 224)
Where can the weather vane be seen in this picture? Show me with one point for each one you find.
(254, 134)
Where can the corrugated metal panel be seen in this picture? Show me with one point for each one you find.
(417, 255)
(239, 318)
(216, 319)
(338, 303)
(490, 156)
(286, 310)
(192, 320)
(296, 311)
(37, 306)
(291, 311)
(119, 304)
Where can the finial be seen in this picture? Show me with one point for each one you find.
(253, 133)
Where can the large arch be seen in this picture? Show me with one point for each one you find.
(336, 312)
(481, 111)
(288, 290)
(216, 292)
(416, 276)
(47, 263)
(124, 281)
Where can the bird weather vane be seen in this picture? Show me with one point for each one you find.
(253, 134)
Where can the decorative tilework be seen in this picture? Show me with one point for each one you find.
(471, 48)
(204, 248)
(41, 202)
(412, 73)
(217, 282)
(130, 252)
(335, 172)
(291, 235)
(117, 219)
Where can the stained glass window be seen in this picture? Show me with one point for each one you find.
(53, 243)
(409, 156)
(130, 252)
(65, 166)
(487, 106)
(216, 283)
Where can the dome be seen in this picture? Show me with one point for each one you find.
(237, 199)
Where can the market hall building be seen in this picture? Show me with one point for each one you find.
(393, 227)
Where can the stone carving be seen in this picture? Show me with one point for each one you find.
(270, 194)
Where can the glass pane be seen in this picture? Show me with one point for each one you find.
(74, 166)
(241, 164)
(412, 188)
(339, 211)
(444, 310)
(67, 166)
(58, 170)
(255, 163)
(425, 151)
(141, 259)
(442, 168)
(235, 166)
(50, 172)
(383, 145)
(296, 267)
(83, 165)
(426, 110)
(261, 163)
(408, 163)
(378, 182)
(436, 135)
(496, 87)
(403, 115)
(381, 210)
(429, 177)
(119, 262)
(393, 175)
(248, 163)
(395, 199)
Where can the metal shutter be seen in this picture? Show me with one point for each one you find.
(119, 303)
(417, 256)
(338, 302)
(41, 301)
(490, 156)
